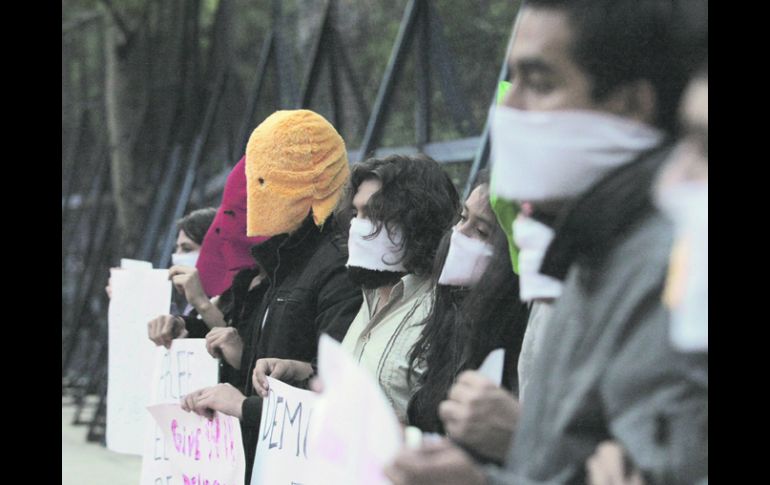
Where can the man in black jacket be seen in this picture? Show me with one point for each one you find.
(296, 167)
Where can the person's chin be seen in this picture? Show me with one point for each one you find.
(370, 279)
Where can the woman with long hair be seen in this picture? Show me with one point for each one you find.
(476, 309)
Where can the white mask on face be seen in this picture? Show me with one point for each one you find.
(376, 253)
(687, 290)
(533, 237)
(466, 260)
(544, 155)
(185, 259)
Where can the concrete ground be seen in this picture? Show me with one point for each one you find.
(84, 463)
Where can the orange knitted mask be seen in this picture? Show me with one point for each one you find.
(295, 161)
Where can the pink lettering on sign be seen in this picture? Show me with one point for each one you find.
(213, 435)
(186, 443)
(215, 440)
(198, 480)
(229, 441)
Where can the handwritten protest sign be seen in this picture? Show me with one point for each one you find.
(183, 368)
(202, 452)
(346, 435)
(355, 432)
(138, 295)
(282, 450)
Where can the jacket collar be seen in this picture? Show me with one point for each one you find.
(289, 249)
(589, 227)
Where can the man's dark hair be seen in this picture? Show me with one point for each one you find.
(417, 197)
(622, 41)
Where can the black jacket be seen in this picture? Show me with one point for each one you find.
(307, 292)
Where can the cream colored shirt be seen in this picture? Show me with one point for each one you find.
(381, 343)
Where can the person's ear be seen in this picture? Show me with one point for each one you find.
(636, 100)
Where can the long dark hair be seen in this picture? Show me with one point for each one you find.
(417, 196)
(464, 325)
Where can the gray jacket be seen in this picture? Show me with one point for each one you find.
(606, 369)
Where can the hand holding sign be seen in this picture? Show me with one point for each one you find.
(163, 329)
(347, 434)
(284, 370)
(480, 415)
(225, 343)
(188, 283)
(222, 397)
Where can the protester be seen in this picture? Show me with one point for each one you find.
(582, 134)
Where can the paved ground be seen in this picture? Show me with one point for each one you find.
(84, 463)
